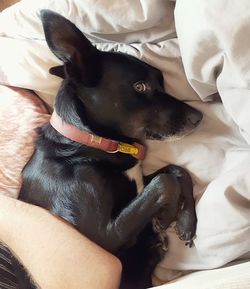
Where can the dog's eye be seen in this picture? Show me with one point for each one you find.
(141, 86)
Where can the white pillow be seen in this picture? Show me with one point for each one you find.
(215, 46)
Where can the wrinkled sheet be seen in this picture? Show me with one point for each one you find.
(213, 41)
(232, 277)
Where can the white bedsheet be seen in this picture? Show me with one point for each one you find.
(215, 47)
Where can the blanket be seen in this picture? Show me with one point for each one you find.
(203, 52)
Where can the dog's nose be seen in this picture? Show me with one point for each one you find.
(195, 117)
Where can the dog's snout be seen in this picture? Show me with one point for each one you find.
(195, 118)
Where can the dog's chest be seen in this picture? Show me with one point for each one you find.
(135, 174)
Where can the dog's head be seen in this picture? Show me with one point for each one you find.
(118, 94)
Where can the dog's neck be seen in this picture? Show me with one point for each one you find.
(91, 140)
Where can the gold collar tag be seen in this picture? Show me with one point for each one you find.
(127, 149)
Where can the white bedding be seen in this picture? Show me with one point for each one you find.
(214, 42)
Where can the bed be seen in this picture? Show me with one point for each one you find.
(203, 50)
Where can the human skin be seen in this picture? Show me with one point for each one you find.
(57, 256)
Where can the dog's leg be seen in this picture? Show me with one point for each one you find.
(186, 218)
(140, 260)
(131, 221)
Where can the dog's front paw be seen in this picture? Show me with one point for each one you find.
(166, 188)
(186, 226)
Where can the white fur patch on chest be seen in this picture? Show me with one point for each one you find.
(135, 174)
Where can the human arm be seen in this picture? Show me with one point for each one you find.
(57, 256)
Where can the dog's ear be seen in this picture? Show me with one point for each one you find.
(58, 71)
(68, 43)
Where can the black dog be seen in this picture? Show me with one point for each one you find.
(82, 177)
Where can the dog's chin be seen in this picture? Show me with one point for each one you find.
(169, 137)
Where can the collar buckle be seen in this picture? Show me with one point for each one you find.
(95, 139)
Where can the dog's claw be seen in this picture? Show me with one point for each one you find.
(190, 243)
(185, 236)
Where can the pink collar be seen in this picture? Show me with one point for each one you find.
(110, 146)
